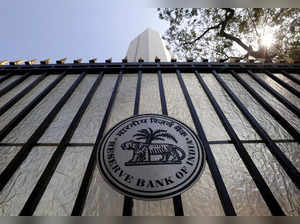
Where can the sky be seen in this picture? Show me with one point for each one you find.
(72, 28)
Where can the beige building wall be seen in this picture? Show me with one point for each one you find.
(148, 45)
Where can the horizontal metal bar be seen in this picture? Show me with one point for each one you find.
(85, 183)
(47, 174)
(262, 186)
(216, 175)
(279, 118)
(15, 83)
(290, 77)
(150, 67)
(282, 83)
(3, 144)
(22, 154)
(126, 64)
(20, 116)
(252, 141)
(286, 164)
(277, 95)
(20, 95)
(218, 142)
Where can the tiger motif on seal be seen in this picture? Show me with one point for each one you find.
(143, 151)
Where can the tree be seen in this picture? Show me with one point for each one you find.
(232, 32)
(150, 135)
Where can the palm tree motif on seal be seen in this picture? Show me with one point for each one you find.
(143, 152)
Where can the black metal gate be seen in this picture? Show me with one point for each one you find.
(159, 68)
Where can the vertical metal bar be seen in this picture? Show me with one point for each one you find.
(19, 96)
(281, 120)
(47, 174)
(14, 84)
(178, 206)
(291, 77)
(177, 202)
(162, 94)
(12, 167)
(8, 75)
(282, 83)
(286, 164)
(278, 96)
(127, 206)
(216, 175)
(138, 94)
(266, 193)
(128, 202)
(20, 116)
(86, 181)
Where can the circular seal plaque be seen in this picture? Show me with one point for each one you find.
(151, 157)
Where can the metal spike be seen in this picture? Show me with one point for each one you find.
(4, 62)
(220, 60)
(234, 59)
(30, 62)
(189, 59)
(61, 61)
(282, 60)
(93, 60)
(276, 60)
(108, 60)
(249, 60)
(77, 61)
(45, 62)
(261, 60)
(204, 59)
(18, 62)
(290, 60)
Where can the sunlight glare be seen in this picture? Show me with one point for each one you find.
(267, 39)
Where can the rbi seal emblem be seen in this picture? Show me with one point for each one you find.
(151, 157)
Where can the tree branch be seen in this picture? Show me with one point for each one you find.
(261, 53)
(203, 34)
(250, 16)
(229, 14)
